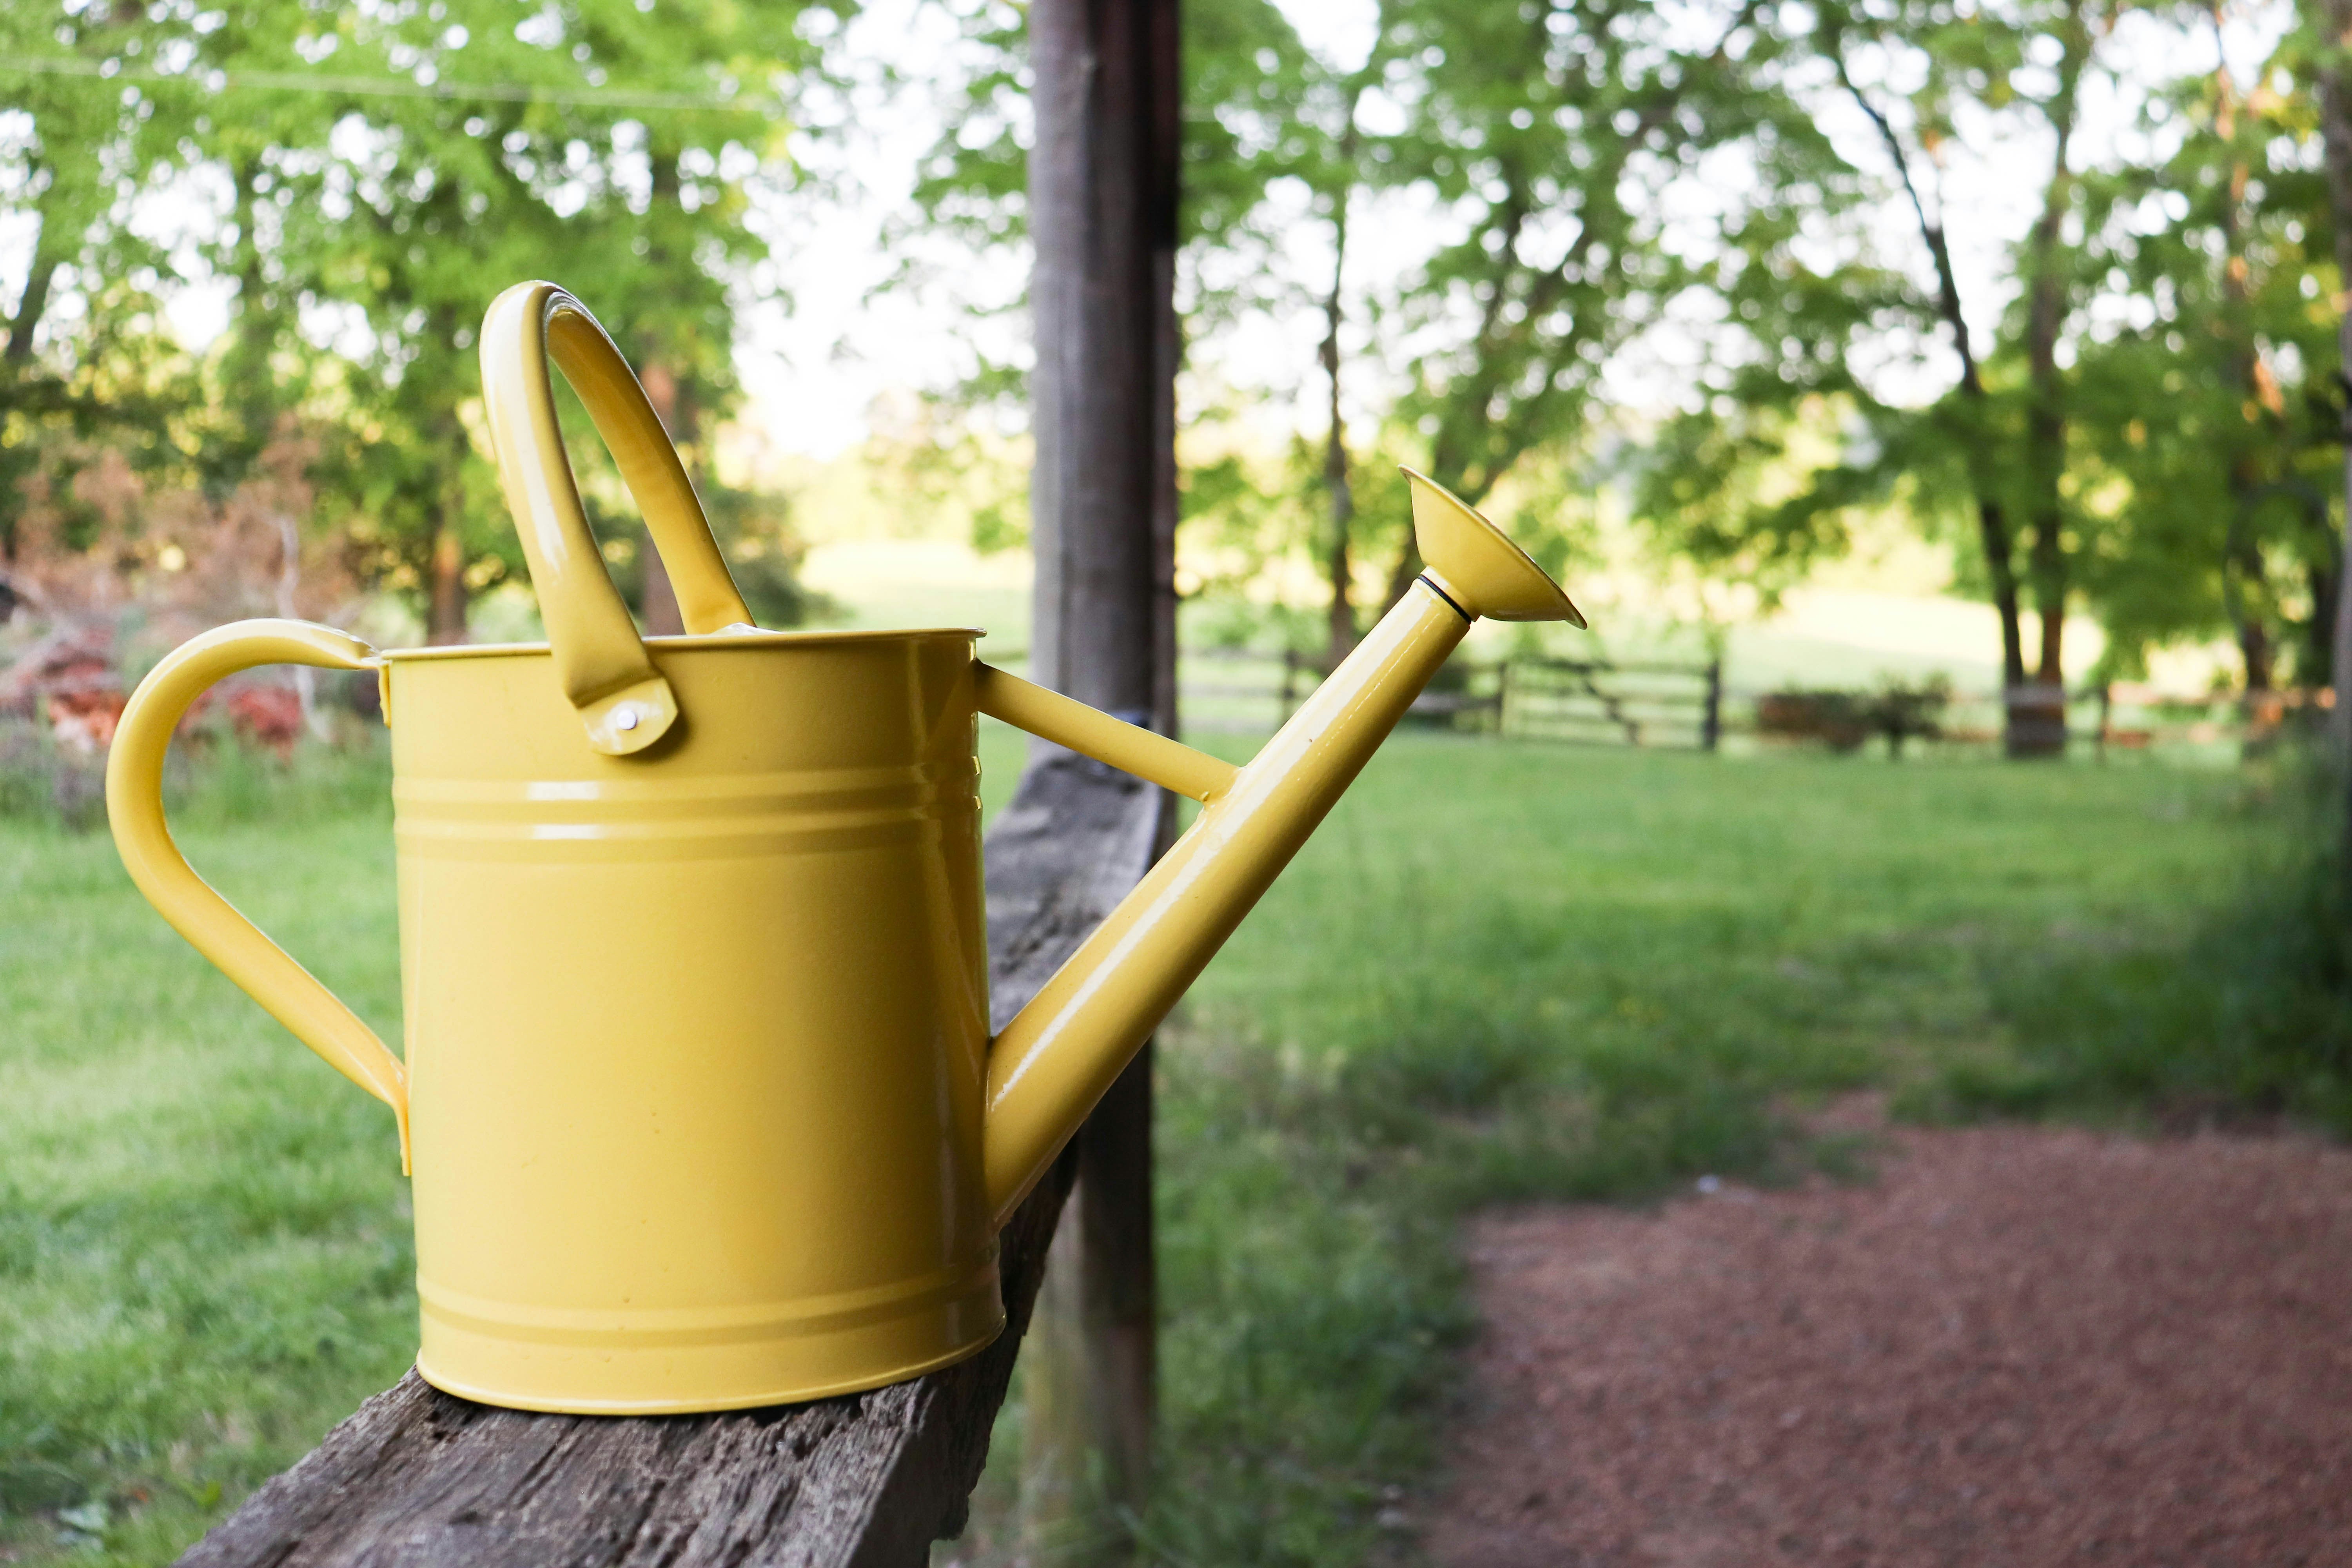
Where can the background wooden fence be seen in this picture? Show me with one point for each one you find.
(1599, 701)
(1689, 704)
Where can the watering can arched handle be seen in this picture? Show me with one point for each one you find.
(134, 806)
(622, 700)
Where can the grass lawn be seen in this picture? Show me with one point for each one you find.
(1500, 970)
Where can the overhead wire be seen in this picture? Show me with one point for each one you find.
(382, 87)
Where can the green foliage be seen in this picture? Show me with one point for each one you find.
(2243, 1011)
(212, 779)
(2150, 426)
(1554, 133)
(1535, 146)
(2208, 428)
(373, 176)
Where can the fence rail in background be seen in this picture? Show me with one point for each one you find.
(1688, 705)
(2131, 716)
(1596, 701)
(1652, 703)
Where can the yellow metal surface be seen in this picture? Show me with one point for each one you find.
(134, 806)
(1050, 716)
(695, 1036)
(599, 657)
(1484, 573)
(701, 1102)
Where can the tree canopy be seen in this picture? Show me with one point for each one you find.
(1715, 271)
(349, 186)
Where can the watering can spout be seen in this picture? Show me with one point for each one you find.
(1059, 1055)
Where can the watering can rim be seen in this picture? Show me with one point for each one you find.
(750, 636)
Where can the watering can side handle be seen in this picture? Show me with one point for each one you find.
(606, 673)
(1065, 721)
(134, 806)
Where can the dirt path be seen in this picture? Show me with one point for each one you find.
(2017, 1347)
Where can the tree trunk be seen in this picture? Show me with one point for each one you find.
(2258, 392)
(1992, 534)
(2045, 427)
(1992, 519)
(2037, 725)
(250, 379)
(445, 615)
(446, 600)
(657, 603)
(1338, 565)
(2336, 126)
(1339, 568)
(33, 302)
(2253, 631)
(18, 461)
(2318, 642)
(1102, 185)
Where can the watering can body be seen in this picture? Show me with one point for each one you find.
(696, 1051)
(698, 1091)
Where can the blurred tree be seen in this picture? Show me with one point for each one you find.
(373, 176)
(2206, 421)
(1335, 166)
(1996, 444)
(1535, 146)
(2144, 430)
(2328, 38)
(77, 361)
(1561, 140)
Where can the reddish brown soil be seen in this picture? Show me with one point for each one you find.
(2015, 1347)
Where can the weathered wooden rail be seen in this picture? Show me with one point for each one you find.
(1608, 701)
(1526, 696)
(418, 1477)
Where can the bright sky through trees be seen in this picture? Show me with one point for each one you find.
(814, 358)
(815, 364)
(1672, 283)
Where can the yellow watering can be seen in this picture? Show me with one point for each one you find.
(700, 1096)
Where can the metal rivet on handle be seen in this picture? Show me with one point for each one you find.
(625, 717)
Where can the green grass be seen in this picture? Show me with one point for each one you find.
(1516, 972)
(205, 1256)
(2242, 1018)
(1508, 972)
(1499, 972)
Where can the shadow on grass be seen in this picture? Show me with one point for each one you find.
(2242, 1018)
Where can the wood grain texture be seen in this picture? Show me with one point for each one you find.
(1103, 169)
(418, 1477)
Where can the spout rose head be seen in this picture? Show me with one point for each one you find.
(1477, 563)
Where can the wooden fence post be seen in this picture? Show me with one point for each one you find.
(1710, 724)
(1102, 188)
